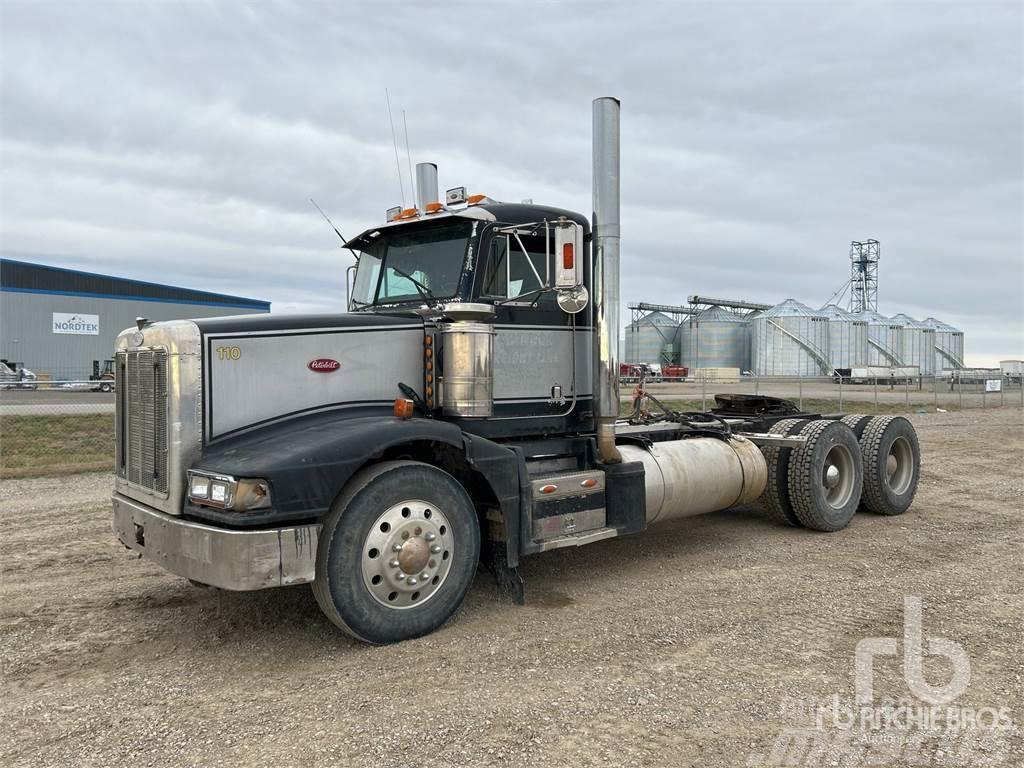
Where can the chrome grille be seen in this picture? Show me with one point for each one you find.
(141, 419)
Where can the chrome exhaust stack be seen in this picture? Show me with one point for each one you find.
(606, 274)
(426, 185)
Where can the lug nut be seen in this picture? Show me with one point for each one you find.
(400, 577)
(412, 581)
(430, 537)
(424, 576)
(436, 548)
(393, 563)
(396, 547)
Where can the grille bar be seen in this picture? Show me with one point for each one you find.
(142, 418)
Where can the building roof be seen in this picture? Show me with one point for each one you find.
(791, 308)
(26, 277)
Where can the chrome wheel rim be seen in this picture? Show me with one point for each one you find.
(407, 554)
(899, 466)
(838, 476)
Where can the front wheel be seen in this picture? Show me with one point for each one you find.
(397, 553)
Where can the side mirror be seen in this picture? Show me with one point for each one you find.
(350, 280)
(568, 255)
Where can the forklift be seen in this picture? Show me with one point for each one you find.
(103, 380)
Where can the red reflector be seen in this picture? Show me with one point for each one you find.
(548, 488)
(589, 482)
(568, 257)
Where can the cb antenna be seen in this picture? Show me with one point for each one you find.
(328, 220)
(408, 157)
(394, 141)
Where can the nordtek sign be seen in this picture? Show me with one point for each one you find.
(79, 325)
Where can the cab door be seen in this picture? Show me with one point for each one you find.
(542, 355)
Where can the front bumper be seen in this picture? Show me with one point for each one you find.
(229, 559)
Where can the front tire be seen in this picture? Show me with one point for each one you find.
(397, 553)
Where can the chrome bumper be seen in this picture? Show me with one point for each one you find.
(220, 557)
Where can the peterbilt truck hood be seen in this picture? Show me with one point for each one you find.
(259, 369)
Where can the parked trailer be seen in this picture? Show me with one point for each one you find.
(885, 374)
(465, 408)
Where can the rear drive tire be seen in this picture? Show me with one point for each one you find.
(105, 387)
(775, 498)
(397, 553)
(825, 476)
(892, 465)
(857, 422)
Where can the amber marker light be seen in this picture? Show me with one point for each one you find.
(403, 408)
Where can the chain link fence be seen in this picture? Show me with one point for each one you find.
(825, 394)
(55, 427)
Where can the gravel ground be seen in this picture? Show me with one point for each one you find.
(699, 643)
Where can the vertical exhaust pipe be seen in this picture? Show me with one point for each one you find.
(606, 274)
(426, 185)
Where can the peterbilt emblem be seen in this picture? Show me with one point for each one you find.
(323, 365)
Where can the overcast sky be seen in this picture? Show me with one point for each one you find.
(181, 142)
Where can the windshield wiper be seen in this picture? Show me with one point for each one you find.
(420, 287)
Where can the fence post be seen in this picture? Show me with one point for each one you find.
(757, 384)
(840, 394)
(960, 390)
(876, 394)
(906, 389)
(1002, 398)
(703, 396)
(984, 393)
(800, 380)
(935, 391)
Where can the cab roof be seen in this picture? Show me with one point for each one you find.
(502, 213)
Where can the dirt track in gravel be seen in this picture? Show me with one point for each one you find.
(685, 645)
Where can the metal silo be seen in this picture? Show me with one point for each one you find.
(918, 344)
(790, 339)
(715, 338)
(885, 339)
(949, 345)
(651, 340)
(848, 337)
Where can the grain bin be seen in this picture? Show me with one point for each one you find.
(885, 339)
(949, 345)
(790, 339)
(651, 340)
(715, 338)
(848, 337)
(918, 346)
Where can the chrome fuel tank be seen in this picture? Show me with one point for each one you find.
(703, 474)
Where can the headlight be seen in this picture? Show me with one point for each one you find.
(199, 487)
(225, 492)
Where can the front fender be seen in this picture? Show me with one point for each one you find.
(308, 461)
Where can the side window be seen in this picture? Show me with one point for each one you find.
(516, 267)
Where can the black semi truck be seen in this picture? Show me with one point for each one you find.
(465, 409)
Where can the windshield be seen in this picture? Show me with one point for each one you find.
(418, 264)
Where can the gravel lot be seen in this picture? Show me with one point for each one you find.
(692, 644)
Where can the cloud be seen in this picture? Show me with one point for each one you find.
(181, 143)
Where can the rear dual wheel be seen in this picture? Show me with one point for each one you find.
(397, 553)
(825, 476)
(892, 464)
